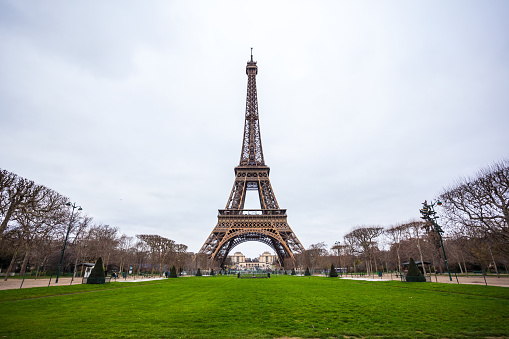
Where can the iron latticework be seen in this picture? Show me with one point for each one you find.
(237, 225)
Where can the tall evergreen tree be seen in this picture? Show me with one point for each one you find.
(97, 274)
(333, 273)
(414, 274)
(173, 272)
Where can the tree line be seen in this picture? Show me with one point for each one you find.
(34, 223)
(474, 213)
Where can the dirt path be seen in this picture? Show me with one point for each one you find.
(472, 280)
(44, 282)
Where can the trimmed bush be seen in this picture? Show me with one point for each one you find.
(307, 273)
(414, 274)
(293, 271)
(173, 272)
(198, 273)
(97, 274)
(212, 272)
(333, 273)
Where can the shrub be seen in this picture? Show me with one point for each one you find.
(333, 273)
(414, 274)
(293, 271)
(198, 273)
(97, 274)
(212, 272)
(307, 272)
(173, 272)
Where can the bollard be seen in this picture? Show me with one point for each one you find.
(23, 280)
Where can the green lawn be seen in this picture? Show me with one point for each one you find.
(282, 306)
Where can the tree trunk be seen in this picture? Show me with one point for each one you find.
(399, 260)
(8, 214)
(420, 254)
(121, 267)
(494, 263)
(37, 271)
(43, 263)
(10, 265)
(434, 261)
(25, 261)
(461, 268)
(107, 261)
(464, 264)
(76, 263)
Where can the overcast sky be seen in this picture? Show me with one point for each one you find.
(135, 110)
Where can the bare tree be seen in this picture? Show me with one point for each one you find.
(15, 239)
(102, 240)
(79, 231)
(364, 238)
(397, 234)
(178, 256)
(160, 249)
(315, 255)
(16, 194)
(40, 218)
(125, 247)
(481, 202)
(416, 231)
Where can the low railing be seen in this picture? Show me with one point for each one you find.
(252, 212)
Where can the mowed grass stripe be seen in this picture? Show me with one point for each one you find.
(280, 306)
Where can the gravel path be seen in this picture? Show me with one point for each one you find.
(45, 282)
(473, 279)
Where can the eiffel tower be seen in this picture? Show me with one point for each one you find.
(235, 224)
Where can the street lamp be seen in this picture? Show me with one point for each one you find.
(67, 236)
(337, 244)
(429, 214)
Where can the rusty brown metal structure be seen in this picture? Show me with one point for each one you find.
(235, 224)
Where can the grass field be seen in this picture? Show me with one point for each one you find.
(282, 306)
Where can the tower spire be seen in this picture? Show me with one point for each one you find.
(252, 153)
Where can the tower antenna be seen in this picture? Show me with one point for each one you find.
(251, 54)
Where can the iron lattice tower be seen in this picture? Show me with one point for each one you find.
(235, 224)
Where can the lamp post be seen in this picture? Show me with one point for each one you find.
(337, 244)
(66, 236)
(429, 214)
